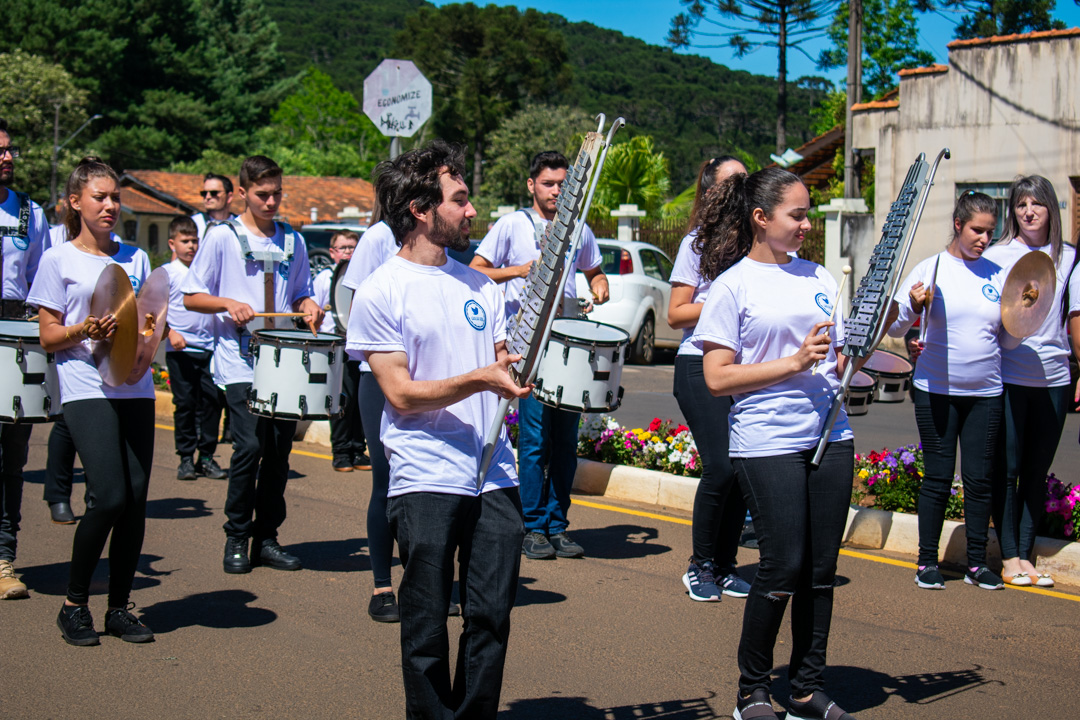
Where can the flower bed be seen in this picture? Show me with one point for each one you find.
(160, 376)
(663, 446)
(891, 480)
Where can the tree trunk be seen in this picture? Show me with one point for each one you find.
(781, 82)
(478, 164)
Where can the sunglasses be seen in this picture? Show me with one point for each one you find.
(13, 149)
(210, 193)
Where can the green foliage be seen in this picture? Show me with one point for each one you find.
(832, 111)
(31, 90)
(633, 173)
(890, 43)
(484, 64)
(518, 138)
(986, 18)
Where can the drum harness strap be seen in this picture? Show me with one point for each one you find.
(22, 230)
(267, 258)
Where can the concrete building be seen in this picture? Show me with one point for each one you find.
(1005, 106)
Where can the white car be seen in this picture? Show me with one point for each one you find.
(638, 274)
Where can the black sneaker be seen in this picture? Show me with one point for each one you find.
(984, 578)
(565, 547)
(818, 707)
(272, 555)
(384, 608)
(77, 626)
(454, 610)
(700, 582)
(929, 577)
(126, 626)
(536, 547)
(207, 467)
(236, 555)
(758, 705)
(186, 471)
(361, 461)
(342, 463)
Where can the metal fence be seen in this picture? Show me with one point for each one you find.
(813, 247)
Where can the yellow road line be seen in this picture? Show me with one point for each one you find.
(628, 511)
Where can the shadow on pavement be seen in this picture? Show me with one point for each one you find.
(177, 509)
(334, 555)
(221, 609)
(856, 689)
(52, 579)
(528, 596)
(37, 477)
(619, 542)
(578, 708)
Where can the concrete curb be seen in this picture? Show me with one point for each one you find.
(866, 527)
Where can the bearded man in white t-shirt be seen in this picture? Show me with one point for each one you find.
(434, 333)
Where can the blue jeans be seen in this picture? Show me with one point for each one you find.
(485, 532)
(547, 461)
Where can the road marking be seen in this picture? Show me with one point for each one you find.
(684, 521)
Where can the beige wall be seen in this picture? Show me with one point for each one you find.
(142, 237)
(1003, 110)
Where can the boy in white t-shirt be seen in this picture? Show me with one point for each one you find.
(189, 348)
(433, 332)
(228, 279)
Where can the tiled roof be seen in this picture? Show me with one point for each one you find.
(816, 167)
(876, 105)
(930, 69)
(1024, 37)
(329, 195)
(135, 200)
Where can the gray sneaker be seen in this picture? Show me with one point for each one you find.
(536, 547)
(565, 547)
(186, 471)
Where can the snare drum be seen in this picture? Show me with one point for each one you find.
(582, 366)
(297, 375)
(860, 394)
(893, 374)
(340, 298)
(29, 388)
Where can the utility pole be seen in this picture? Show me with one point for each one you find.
(854, 95)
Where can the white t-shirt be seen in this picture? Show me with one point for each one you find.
(196, 328)
(58, 234)
(221, 270)
(376, 246)
(21, 254)
(65, 282)
(447, 320)
(320, 286)
(512, 241)
(1042, 359)
(687, 270)
(962, 356)
(763, 312)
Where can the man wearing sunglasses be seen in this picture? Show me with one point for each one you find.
(217, 194)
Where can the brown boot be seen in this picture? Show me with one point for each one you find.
(10, 586)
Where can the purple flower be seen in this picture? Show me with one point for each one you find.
(890, 461)
(907, 458)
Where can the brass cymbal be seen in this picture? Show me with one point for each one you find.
(1028, 294)
(113, 295)
(153, 305)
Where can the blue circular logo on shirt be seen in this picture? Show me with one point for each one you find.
(283, 270)
(991, 293)
(823, 302)
(134, 283)
(475, 315)
(20, 242)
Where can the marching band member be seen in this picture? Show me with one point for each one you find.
(112, 427)
(763, 327)
(1036, 382)
(719, 510)
(247, 263)
(217, 195)
(957, 384)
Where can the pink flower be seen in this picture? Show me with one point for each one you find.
(1069, 529)
(1052, 505)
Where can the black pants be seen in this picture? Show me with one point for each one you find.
(115, 439)
(943, 421)
(14, 442)
(197, 411)
(60, 465)
(258, 470)
(486, 533)
(347, 432)
(799, 515)
(719, 510)
(1034, 419)
(380, 540)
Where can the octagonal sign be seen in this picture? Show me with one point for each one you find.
(397, 98)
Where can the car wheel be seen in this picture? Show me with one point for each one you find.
(319, 259)
(644, 349)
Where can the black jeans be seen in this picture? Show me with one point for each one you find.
(60, 465)
(258, 470)
(197, 411)
(14, 443)
(1034, 419)
(486, 533)
(974, 422)
(115, 439)
(799, 515)
(347, 432)
(719, 509)
(380, 540)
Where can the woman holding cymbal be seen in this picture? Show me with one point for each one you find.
(112, 427)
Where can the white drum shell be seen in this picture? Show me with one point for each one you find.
(860, 394)
(297, 377)
(30, 386)
(894, 384)
(581, 368)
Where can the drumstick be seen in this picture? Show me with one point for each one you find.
(836, 303)
(277, 314)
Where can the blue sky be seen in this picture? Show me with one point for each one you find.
(649, 20)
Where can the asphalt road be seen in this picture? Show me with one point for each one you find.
(609, 637)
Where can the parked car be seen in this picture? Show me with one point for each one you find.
(638, 274)
(317, 236)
